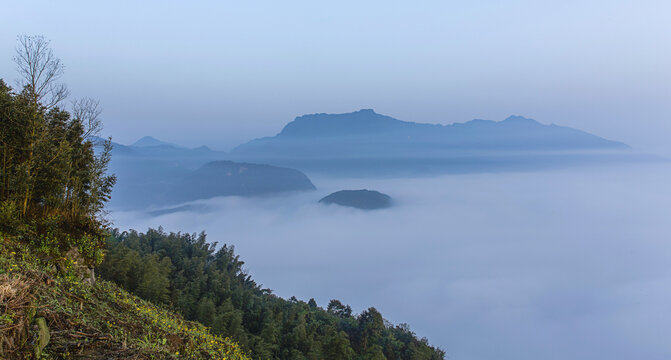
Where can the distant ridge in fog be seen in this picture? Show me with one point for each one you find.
(358, 144)
(151, 141)
(367, 133)
(226, 178)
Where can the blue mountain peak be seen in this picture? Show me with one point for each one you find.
(519, 119)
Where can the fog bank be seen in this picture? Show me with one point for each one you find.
(547, 265)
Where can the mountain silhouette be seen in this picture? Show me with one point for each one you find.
(151, 141)
(226, 178)
(365, 133)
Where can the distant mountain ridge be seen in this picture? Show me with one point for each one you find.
(367, 133)
(359, 144)
(151, 141)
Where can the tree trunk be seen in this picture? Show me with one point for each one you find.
(30, 161)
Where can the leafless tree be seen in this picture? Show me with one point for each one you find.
(40, 70)
(87, 110)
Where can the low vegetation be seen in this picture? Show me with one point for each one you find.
(50, 314)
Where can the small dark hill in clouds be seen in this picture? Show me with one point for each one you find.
(226, 178)
(366, 133)
(361, 199)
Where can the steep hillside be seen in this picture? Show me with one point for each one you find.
(50, 314)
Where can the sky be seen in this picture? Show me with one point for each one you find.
(220, 73)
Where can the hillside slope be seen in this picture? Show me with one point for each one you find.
(51, 316)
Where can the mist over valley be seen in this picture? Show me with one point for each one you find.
(558, 238)
(574, 258)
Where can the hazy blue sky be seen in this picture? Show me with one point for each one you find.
(219, 73)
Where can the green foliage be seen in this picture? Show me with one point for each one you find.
(211, 286)
(154, 283)
(53, 185)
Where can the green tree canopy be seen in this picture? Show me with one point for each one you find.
(212, 287)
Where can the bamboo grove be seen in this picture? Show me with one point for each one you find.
(53, 168)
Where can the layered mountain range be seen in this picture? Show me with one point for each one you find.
(361, 143)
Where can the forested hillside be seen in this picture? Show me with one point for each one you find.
(53, 189)
(210, 286)
(54, 185)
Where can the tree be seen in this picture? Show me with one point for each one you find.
(54, 182)
(371, 326)
(40, 71)
(337, 308)
(155, 282)
(87, 111)
(337, 346)
(205, 311)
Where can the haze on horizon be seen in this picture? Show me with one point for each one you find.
(222, 73)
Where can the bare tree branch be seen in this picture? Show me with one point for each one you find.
(40, 70)
(87, 111)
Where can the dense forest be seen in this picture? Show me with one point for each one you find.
(186, 272)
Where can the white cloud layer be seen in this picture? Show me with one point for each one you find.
(552, 265)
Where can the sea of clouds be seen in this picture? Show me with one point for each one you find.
(572, 264)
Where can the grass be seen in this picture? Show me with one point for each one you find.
(85, 321)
